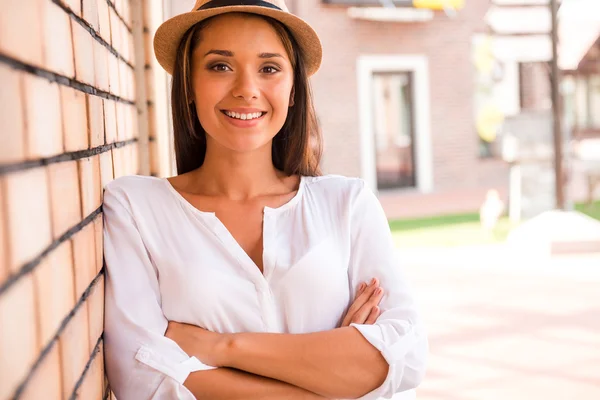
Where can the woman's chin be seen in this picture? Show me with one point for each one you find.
(246, 144)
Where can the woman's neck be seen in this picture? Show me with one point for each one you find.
(239, 176)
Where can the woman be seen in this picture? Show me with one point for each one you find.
(249, 275)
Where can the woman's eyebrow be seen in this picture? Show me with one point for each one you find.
(269, 55)
(227, 53)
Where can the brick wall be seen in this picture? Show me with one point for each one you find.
(68, 125)
(446, 42)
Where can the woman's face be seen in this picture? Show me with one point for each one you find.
(242, 80)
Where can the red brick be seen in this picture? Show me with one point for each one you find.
(64, 196)
(122, 133)
(28, 215)
(104, 17)
(123, 81)
(46, 381)
(133, 111)
(92, 387)
(99, 242)
(84, 258)
(84, 54)
(151, 121)
(130, 83)
(115, 30)
(148, 48)
(95, 303)
(89, 181)
(19, 344)
(106, 168)
(74, 119)
(58, 43)
(4, 270)
(119, 6)
(110, 121)
(95, 112)
(126, 81)
(117, 156)
(74, 350)
(149, 80)
(74, 5)
(113, 75)
(154, 158)
(12, 122)
(54, 288)
(127, 121)
(131, 159)
(101, 65)
(20, 40)
(90, 13)
(43, 116)
(127, 12)
(126, 43)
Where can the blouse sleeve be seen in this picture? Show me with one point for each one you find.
(398, 333)
(141, 363)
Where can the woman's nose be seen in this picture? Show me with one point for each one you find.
(246, 86)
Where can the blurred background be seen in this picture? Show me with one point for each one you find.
(477, 123)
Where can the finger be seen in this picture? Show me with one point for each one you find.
(361, 288)
(361, 298)
(373, 315)
(365, 285)
(362, 314)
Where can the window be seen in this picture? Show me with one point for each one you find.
(587, 102)
(394, 132)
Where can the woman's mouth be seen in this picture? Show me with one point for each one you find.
(244, 120)
(244, 116)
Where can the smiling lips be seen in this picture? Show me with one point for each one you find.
(244, 117)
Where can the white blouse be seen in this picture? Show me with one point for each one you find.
(167, 260)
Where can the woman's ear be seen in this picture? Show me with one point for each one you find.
(292, 96)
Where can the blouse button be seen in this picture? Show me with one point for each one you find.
(144, 355)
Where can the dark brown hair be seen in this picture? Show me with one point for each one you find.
(297, 147)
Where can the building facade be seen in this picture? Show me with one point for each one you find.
(395, 98)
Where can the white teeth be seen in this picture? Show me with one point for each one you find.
(243, 117)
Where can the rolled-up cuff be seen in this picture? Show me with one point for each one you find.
(388, 341)
(179, 371)
(395, 349)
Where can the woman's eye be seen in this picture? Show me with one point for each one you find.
(220, 68)
(270, 70)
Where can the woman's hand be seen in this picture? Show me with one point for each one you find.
(364, 309)
(208, 347)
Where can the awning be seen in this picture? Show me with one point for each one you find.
(438, 4)
(578, 30)
(422, 4)
(399, 11)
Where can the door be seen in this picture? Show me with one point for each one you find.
(394, 130)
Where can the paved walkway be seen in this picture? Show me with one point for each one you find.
(504, 328)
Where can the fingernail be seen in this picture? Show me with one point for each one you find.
(379, 290)
(373, 281)
(361, 286)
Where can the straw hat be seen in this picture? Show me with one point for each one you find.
(169, 34)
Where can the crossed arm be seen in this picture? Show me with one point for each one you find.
(339, 363)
